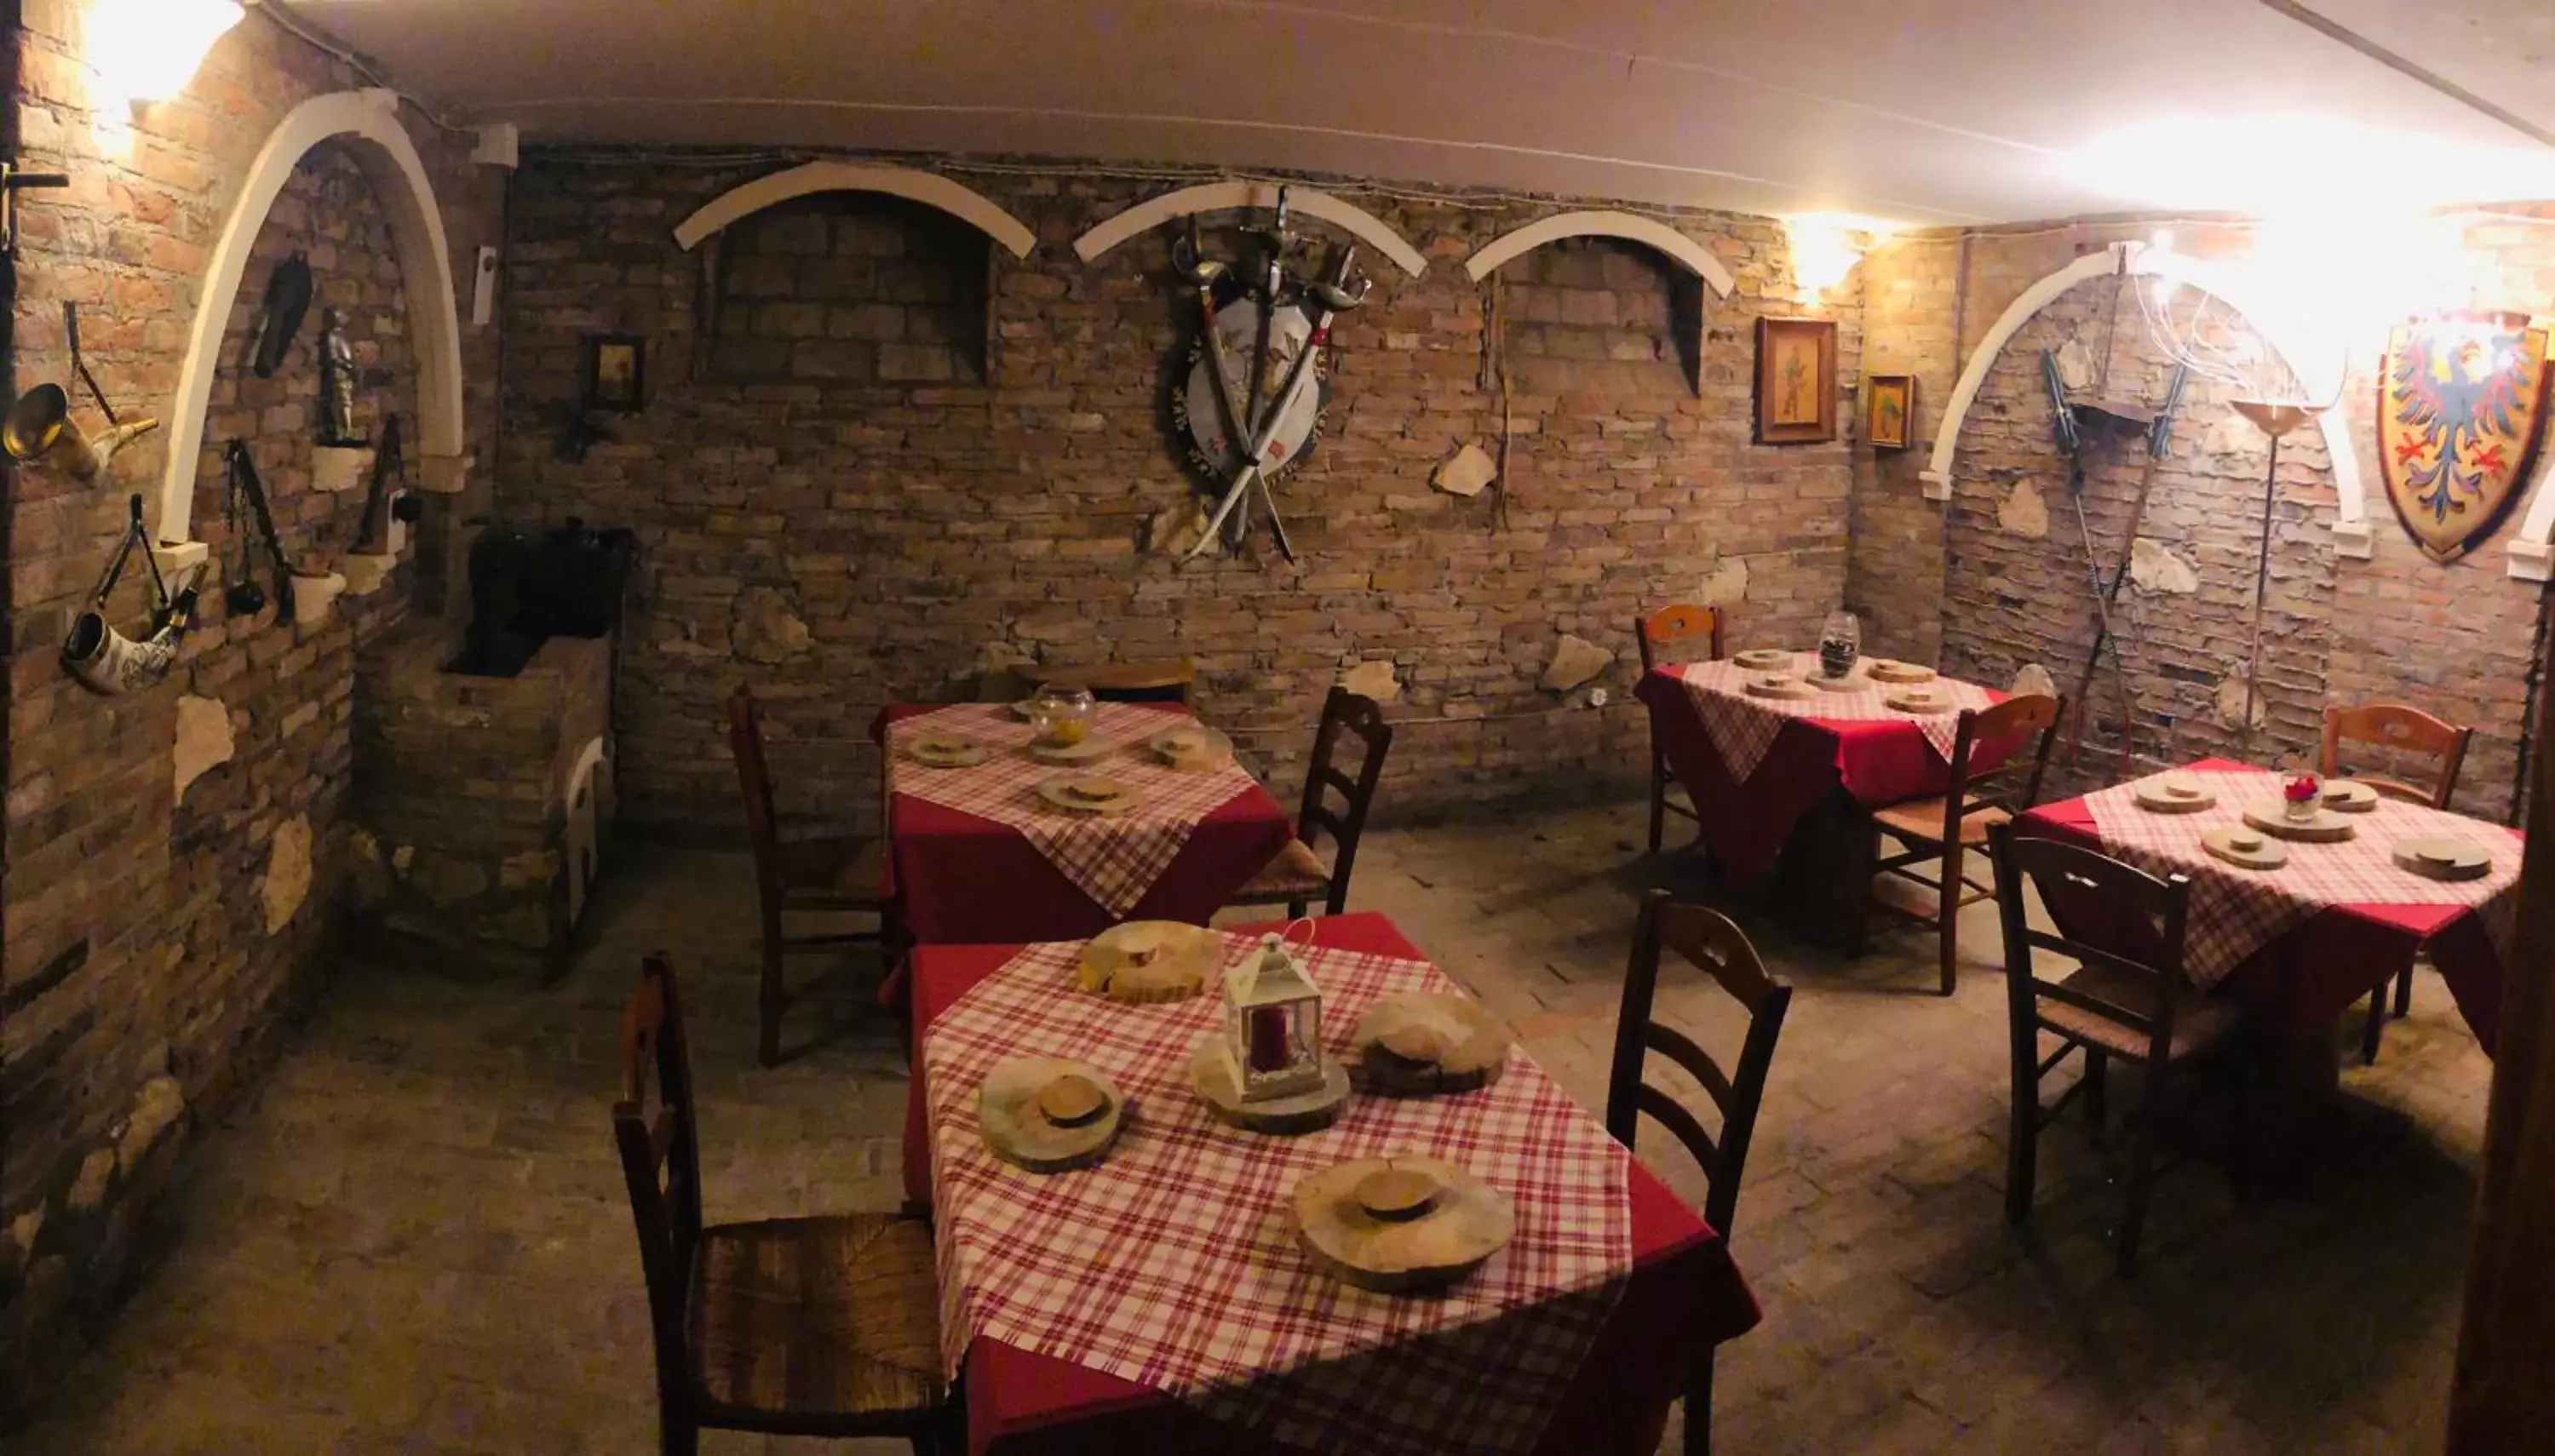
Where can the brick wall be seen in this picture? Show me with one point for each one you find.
(846, 541)
(2456, 639)
(155, 942)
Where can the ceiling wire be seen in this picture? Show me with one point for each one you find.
(309, 35)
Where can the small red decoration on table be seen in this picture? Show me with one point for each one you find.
(2302, 789)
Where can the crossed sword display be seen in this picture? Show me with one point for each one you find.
(1335, 296)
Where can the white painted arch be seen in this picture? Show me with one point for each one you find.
(929, 189)
(2351, 529)
(379, 145)
(1232, 196)
(1658, 236)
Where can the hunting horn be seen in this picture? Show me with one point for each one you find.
(39, 424)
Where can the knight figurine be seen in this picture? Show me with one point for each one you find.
(336, 381)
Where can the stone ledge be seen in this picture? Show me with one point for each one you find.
(2532, 561)
(2354, 540)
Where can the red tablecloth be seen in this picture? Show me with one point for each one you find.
(966, 880)
(1745, 825)
(1684, 1296)
(2300, 983)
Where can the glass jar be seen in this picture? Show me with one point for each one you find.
(1061, 715)
(1840, 644)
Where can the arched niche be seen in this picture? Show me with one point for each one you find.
(1694, 257)
(1232, 196)
(928, 188)
(2351, 530)
(366, 123)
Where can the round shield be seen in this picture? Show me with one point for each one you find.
(1216, 448)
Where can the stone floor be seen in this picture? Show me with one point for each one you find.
(415, 1239)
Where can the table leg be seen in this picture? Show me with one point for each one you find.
(1823, 881)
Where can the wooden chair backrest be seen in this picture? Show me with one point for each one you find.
(1675, 622)
(2073, 872)
(1719, 949)
(2406, 730)
(753, 779)
(1343, 712)
(1171, 680)
(2015, 784)
(661, 1159)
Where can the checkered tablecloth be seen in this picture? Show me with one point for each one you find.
(1174, 1263)
(2236, 912)
(1743, 727)
(1113, 858)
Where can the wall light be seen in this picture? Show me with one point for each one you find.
(149, 49)
(1826, 246)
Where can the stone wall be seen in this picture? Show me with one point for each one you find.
(846, 541)
(2458, 639)
(173, 856)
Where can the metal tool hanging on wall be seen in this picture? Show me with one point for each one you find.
(390, 463)
(1245, 436)
(103, 659)
(38, 427)
(278, 316)
(2068, 429)
(241, 595)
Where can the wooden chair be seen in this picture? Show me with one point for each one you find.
(1945, 829)
(829, 875)
(1170, 681)
(1295, 876)
(799, 1326)
(2112, 1006)
(1712, 945)
(1675, 622)
(2404, 731)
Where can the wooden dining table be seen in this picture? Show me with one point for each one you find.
(974, 856)
(1782, 789)
(2298, 945)
(1158, 1301)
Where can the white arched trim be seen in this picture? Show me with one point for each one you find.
(1231, 196)
(389, 159)
(2320, 369)
(927, 188)
(1658, 236)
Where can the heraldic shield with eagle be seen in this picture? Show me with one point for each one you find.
(2461, 412)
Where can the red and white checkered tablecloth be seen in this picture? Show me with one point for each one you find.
(1743, 727)
(2237, 911)
(1113, 858)
(1174, 1263)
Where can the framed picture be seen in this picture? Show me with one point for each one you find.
(1889, 411)
(616, 372)
(1796, 374)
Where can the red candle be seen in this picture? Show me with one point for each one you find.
(1269, 1050)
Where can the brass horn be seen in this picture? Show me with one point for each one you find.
(39, 424)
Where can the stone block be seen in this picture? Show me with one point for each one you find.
(1575, 661)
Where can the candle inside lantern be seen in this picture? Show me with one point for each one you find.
(1268, 1049)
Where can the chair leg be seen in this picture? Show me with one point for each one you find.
(2022, 1141)
(1658, 801)
(1947, 917)
(1295, 909)
(2375, 1025)
(676, 1435)
(1698, 1407)
(2141, 1174)
(2404, 992)
(2097, 1064)
(768, 999)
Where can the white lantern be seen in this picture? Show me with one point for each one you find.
(1272, 1025)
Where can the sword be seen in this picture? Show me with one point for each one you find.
(1336, 297)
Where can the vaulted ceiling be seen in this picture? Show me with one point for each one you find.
(1914, 110)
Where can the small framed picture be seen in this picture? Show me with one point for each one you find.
(616, 372)
(1796, 381)
(1889, 411)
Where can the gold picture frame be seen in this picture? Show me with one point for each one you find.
(1796, 381)
(1889, 411)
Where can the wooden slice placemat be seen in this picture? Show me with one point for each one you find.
(1088, 794)
(2442, 857)
(1399, 1224)
(1779, 686)
(1919, 700)
(1149, 963)
(1766, 659)
(1888, 669)
(2172, 793)
(1072, 755)
(2344, 797)
(2246, 849)
(2271, 816)
(1048, 1114)
(1427, 1045)
(1212, 1077)
(1192, 748)
(945, 751)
